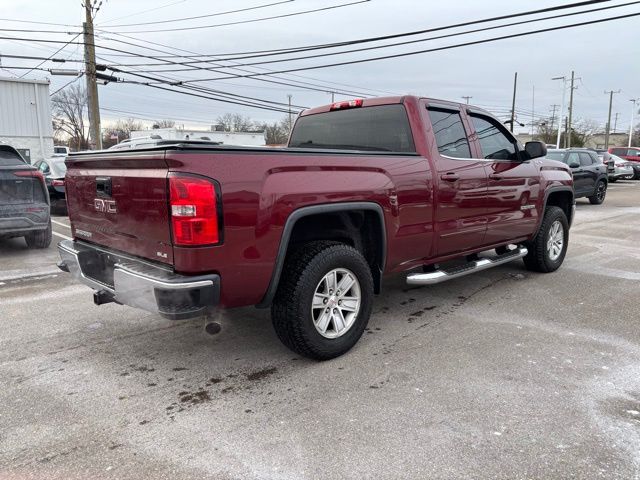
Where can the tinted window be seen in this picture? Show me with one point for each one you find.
(383, 128)
(494, 143)
(585, 159)
(573, 157)
(450, 134)
(619, 151)
(8, 158)
(555, 156)
(43, 167)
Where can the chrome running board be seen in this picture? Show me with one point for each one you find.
(439, 276)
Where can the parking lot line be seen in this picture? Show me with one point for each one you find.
(60, 223)
(61, 236)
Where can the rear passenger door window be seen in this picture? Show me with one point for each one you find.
(495, 144)
(585, 159)
(450, 134)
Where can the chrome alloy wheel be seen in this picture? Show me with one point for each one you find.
(336, 303)
(555, 240)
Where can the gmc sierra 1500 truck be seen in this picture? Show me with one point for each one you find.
(365, 188)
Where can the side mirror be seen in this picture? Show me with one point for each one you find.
(574, 164)
(535, 149)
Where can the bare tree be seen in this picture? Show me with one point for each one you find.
(121, 130)
(164, 123)
(582, 130)
(69, 108)
(234, 122)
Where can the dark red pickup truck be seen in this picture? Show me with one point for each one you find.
(366, 188)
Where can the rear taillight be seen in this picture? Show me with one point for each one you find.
(194, 211)
(29, 173)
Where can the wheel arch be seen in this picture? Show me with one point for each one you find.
(563, 197)
(298, 216)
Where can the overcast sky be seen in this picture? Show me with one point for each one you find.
(605, 56)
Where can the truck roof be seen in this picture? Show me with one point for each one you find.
(410, 99)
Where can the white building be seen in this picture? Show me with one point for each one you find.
(25, 117)
(253, 139)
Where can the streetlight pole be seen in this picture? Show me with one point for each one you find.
(633, 111)
(564, 91)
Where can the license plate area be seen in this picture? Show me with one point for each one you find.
(98, 266)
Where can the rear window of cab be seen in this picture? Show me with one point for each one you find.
(382, 128)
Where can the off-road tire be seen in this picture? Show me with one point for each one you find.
(291, 308)
(597, 198)
(538, 259)
(39, 238)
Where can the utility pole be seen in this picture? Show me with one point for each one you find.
(467, 98)
(90, 73)
(290, 118)
(561, 115)
(633, 111)
(568, 134)
(513, 103)
(553, 116)
(533, 111)
(333, 96)
(606, 135)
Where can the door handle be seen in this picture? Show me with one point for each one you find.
(450, 177)
(493, 176)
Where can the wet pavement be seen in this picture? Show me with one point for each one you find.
(501, 374)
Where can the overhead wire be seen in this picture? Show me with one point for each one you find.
(430, 50)
(217, 14)
(273, 17)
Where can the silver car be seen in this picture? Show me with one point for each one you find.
(623, 169)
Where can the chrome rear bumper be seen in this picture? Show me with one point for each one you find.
(126, 280)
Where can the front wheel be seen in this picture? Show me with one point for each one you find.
(601, 191)
(324, 300)
(549, 247)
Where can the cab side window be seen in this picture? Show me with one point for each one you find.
(585, 159)
(450, 134)
(494, 142)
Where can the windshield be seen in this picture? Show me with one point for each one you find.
(384, 128)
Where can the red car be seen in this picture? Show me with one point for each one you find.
(631, 154)
(366, 188)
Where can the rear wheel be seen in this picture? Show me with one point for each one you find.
(40, 238)
(549, 247)
(324, 300)
(598, 196)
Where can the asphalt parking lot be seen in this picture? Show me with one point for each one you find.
(502, 374)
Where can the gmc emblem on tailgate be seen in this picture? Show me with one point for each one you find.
(106, 206)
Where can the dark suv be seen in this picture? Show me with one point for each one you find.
(24, 200)
(590, 177)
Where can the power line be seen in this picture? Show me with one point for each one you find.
(495, 27)
(50, 57)
(67, 84)
(228, 12)
(322, 88)
(273, 17)
(143, 11)
(404, 34)
(29, 57)
(430, 50)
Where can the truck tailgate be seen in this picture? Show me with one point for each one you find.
(120, 201)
